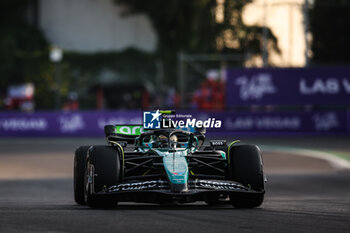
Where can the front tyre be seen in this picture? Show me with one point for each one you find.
(102, 172)
(247, 168)
(79, 173)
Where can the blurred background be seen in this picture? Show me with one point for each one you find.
(260, 65)
(275, 72)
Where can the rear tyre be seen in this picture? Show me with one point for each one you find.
(102, 172)
(79, 173)
(247, 168)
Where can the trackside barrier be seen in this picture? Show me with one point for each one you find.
(91, 123)
(328, 86)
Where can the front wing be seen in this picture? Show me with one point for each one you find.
(155, 190)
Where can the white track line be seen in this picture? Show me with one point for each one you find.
(335, 161)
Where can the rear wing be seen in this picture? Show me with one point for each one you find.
(128, 133)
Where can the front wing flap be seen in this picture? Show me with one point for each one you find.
(194, 187)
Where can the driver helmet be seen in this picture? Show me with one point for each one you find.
(173, 140)
(162, 141)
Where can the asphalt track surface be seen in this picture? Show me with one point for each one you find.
(303, 195)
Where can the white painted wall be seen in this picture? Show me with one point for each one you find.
(94, 25)
(285, 19)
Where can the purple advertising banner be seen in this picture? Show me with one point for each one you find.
(291, 86)
(85, 124)
(91, 124)
(315, 122)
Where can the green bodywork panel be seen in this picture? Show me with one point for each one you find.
(130, 130)
(175, 164)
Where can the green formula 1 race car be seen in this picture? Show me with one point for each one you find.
(166, 166)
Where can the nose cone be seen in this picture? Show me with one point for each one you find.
(178, 188)
(175, 165)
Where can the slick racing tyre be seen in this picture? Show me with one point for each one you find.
(102, 171)
(79, 173)
(247, 168)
